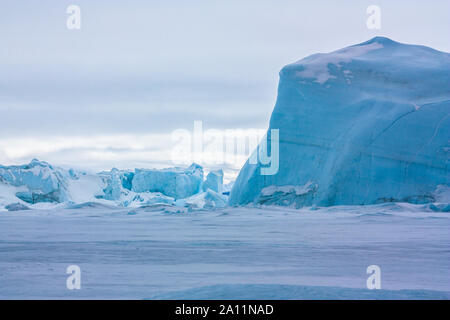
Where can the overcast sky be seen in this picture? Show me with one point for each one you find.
(137, 70)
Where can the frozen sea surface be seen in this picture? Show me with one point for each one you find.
(246, 253)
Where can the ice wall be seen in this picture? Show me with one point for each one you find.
(365, 124)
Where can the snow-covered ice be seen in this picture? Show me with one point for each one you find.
(39, 182)
(208, 199)
(41, 185)
(214, 181)
(316, 65)
(366, 124)
(160, 252)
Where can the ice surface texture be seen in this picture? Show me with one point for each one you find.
(157, 252)
(365, 124)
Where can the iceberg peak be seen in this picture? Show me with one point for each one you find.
(380, 39)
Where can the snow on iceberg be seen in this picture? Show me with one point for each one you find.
(133, 199)
(366, 124)
(287, 195)
(118, 184)
(40, 182)
(85, 187)
(41, 185)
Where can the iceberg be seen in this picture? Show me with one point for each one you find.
(365, 124)
(178, 183)
(118, 184)
(295, 196)
(146, 198)
(214, 181)
(40, 182)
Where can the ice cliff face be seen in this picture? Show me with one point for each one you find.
(174, 182)
(214, 181)
(365, 124)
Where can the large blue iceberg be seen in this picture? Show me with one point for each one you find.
(365, 124)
